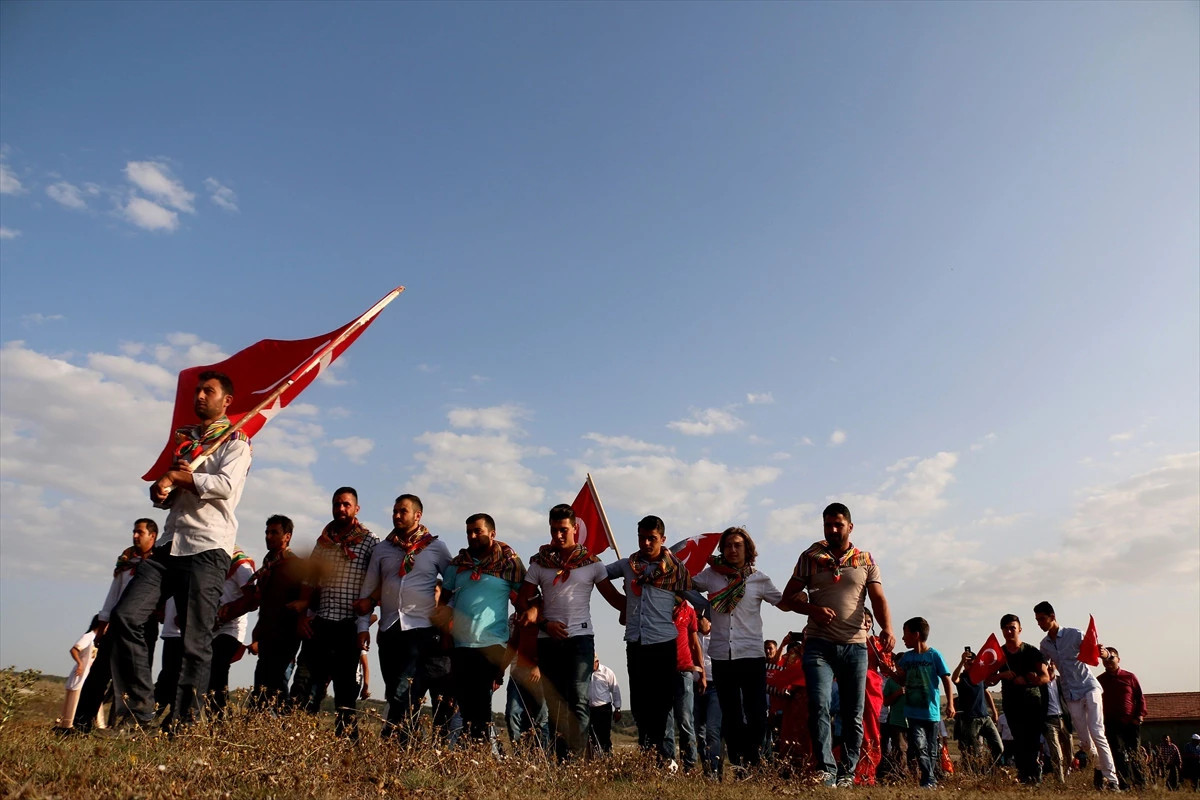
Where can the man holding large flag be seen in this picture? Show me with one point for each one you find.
(191, 558)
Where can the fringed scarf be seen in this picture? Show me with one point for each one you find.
(726, 600)
(500, 561)
(128, 560)
(551, 557)
(825, 559)
(238, 559)
(666, 573)
(192, 440)
(345, 535)
(412, 545)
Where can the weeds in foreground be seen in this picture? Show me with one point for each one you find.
(16, 689)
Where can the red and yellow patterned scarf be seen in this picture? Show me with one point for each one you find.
(726, 600)
(192, 440)
(345, 535)
(825, 559)
(501, 561)
(239, 558)
(551, 557)
(666, 573)
(412, 545)
(128, 560)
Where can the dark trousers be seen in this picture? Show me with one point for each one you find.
(566, 667)
(742, 692)
(1125, 738)
(708, 729)
(271, 671)
(334, 655)
(1026, 727)
(95, 687)
(225, 649)
(402, 661)
(195, 582)
(168, 672)
(600, 720)
(475, 671)
(652, 676)
(923, 740)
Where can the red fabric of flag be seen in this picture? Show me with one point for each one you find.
(589, 521)
(256, 372)
(1089, 648)
(988, 661)
(695, 552)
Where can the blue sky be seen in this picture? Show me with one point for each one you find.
(940, 261)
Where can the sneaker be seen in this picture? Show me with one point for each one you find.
(827, 779)
(845, 782)
(930, 785)
(673, 766)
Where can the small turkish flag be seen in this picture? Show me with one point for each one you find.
(1089, 648)
(988, 662)
(591, 525)
(695, 552)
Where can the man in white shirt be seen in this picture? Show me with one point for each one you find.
(191, 558)
(604, 704)
(566, 572)
(403, 578)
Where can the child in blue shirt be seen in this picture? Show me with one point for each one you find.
(919, 670)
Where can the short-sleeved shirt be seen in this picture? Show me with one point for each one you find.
(843, 590)
(896, 716)
(1027, 698)
(86, 647)
(685, 625)
(569, 601)
(922, 679)
(648, 614)
(972, 698)
(480, 607)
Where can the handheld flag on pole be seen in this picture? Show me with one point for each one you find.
(988, 662)
(267, 376)
(694, 553)
(1089, 648)
(594, 532)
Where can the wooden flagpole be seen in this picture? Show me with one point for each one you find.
(370, 314)
(603, 517)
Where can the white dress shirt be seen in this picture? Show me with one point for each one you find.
(408, 600)
(238, 626)
(740, 634)
(205, 520)
(604, 689)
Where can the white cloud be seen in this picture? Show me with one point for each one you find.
(836, 438)
(288, 441)
(329, 375)
(1121, 437)
(426, 368)
(220, 194)
(800, 522)
(9, 233)
(766, 398)
(150, 216)
(155, 179)
(627, 443)
(494, 418)
(780, 456)
(183, 350)
(994, 520)
(480, 378)
(38, 318)
(9, 183)
(67, 195)
(131, 372)
(706, 422)
(806, 442)
(355, 448)
(983, 442)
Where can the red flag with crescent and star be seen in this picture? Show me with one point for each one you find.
(988, 662)
(591, 524)
(1089, 648)
(695, 552)
(258, 371)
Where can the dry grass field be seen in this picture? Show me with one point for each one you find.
(258, 756)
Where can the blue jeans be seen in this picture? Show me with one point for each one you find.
(682, 713)
(402, 661)
(566, 667)
(525, 711)
(708, 729)
(923, 740)
(823, 662)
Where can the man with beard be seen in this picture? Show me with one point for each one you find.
(403, 581)
(274, 587)
(336, 636)
(565, 572)
(191, 559)
(480, 579)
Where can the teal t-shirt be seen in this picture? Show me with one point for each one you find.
(896, 716)
(922, 679)
(480, 607)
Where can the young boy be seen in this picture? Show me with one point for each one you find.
(919, 670)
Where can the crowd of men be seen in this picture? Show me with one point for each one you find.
(450, 623)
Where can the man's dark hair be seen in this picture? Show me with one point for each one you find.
(220, 377)
(751, 550)
(1007, 618)
(346, 490)
(652, 523)
(487, 520)
(770, 641)
(1114, 651)
(416, 502)
(833, 509)
(919, 626)
(151, 525)
(283, 522)
(562, 511)
(1044, 607)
